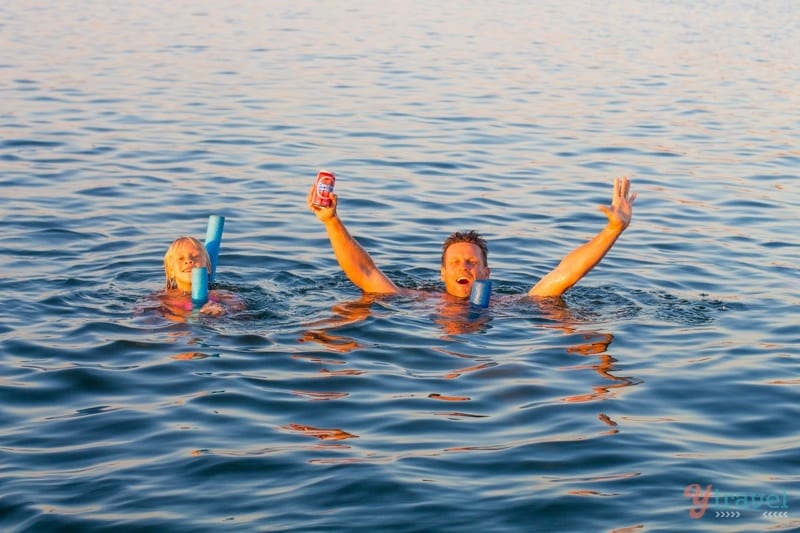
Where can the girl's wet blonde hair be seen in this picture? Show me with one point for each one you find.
(173, 252)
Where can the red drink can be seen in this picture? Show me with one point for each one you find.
(323, 189)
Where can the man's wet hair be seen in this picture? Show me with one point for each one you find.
(471, 237)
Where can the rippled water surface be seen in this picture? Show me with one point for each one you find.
(661, 394)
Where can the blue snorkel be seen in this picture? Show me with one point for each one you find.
(213, 241)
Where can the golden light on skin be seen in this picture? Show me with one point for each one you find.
(463, 264)
(184, 254)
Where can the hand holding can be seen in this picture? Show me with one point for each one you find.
(323, 189)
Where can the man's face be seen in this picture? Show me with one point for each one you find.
(463, 264)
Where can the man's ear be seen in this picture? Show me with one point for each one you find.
(441, 273)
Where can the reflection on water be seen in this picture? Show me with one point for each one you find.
(461, 318)
(604, 368)
(345, 314)
(322, 434)
(192, 355)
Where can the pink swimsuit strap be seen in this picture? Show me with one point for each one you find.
(211, 298)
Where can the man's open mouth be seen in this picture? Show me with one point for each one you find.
(462, 280)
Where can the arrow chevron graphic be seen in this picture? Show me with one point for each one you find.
(775, 514)
(728, 514)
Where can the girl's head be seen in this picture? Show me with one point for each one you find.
(184, 254)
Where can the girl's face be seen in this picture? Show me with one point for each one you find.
(186, 256)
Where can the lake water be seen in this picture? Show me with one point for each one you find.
(661, 394)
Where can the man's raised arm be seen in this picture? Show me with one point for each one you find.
(354, 260)
(580, 261)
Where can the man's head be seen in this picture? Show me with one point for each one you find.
(464, 259)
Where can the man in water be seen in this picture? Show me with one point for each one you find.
(464, 254)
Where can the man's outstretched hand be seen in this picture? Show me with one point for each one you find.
(323, 213)
(620, 213)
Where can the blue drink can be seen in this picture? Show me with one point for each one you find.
(481, 290)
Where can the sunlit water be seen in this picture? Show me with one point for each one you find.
(126, 124)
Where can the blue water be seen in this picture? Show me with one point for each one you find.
(675, 362)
